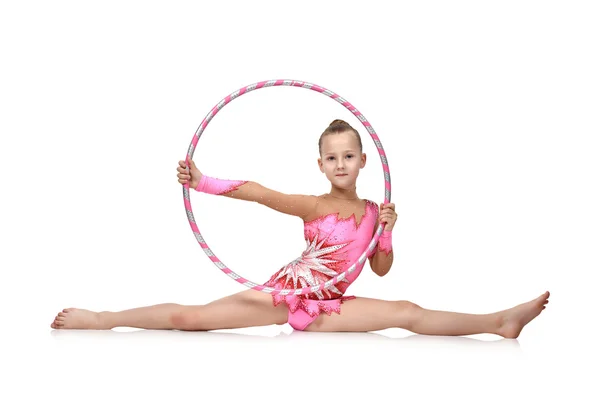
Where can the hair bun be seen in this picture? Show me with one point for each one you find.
(338, 122)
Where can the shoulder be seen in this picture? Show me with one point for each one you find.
(311, 202)
(372, 204)
(313, 206)
(374, 207)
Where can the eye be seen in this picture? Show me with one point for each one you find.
(350, 155)
(330, 158)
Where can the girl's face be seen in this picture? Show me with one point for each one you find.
(341, 159)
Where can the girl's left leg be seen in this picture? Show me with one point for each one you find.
(365, 314)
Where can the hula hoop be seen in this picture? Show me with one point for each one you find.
(188, 205)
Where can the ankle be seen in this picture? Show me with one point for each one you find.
(106, 320)
(498, 321)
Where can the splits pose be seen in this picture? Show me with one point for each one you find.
(338, 226)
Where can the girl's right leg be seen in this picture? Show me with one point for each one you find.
(240, 310)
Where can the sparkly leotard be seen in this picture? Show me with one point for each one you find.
(332, 245)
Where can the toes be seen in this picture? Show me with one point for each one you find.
(544, 296)
(61, 314)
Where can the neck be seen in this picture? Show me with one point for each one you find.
(343, 194)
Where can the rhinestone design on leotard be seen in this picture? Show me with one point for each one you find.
(314, 258)
(332, 244)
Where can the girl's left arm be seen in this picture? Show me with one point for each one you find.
(381, 261)
(383, 256)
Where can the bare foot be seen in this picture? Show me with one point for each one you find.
(77, 318)
(514, 319)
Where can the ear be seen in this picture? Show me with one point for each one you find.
(320, 162)
(363, 160)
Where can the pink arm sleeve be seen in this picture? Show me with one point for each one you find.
(385, 241)
(217, 186)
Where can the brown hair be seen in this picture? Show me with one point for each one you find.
(339, 126)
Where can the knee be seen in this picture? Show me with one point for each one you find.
(185, 319)
(409, 312)
(407, 306)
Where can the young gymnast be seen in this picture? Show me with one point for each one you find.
(337, 227)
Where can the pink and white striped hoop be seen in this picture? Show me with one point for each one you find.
(188, 205)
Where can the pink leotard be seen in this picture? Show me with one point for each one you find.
(332, 245)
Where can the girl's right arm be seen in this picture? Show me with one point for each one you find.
(291, 204)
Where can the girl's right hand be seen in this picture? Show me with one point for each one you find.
(192, 176)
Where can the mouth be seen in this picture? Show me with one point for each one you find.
(341, 174)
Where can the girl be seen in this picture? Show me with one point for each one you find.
(338, 227)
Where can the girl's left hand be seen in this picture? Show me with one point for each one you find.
(387, 215)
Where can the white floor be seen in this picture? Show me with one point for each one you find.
(278, 362)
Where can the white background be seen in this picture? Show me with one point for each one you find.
(488, 113)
